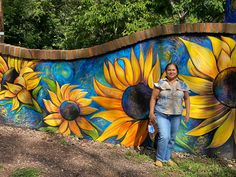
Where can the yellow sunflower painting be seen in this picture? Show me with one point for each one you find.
(127, 100)
(11, 68)
(17, 80)
(213, 80)
(67, 109)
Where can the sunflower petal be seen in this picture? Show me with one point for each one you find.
(19, 62)
(59, 96)
(234, 130)
(128, 71)
(53, 119)
(31, 64)
(4, 64)
(2, 69)
(206, 112)
(97, 89)
(155, 74)
(141, 61)
(77, 94)
(224, 132)
(231, 42)
(31, 76)
(8, 94)
(25, 97)
(123, 130)
(203, 100)
(54, 98)
(218, 45)
(108, 103)
(136, 134)
(64, 126)
(26, 70)
(205, 128)
(1, 75)
(198, 85)
(136, 68)
(14, 88)
(84, 123)
(233, 58)
(87, 110)
(148, 65)
(67, 132)
(131, 135)
(84, 102)
(117, 83)
(21, 81)
(157, 70)
(112, 129)
(63, 88)
(202, 58)
(111, 115)
(32, 83)
(109, 92)
(15, 104)
(11, 63)
(224, 61)
(50, 106)
(107, 74)
(2, 94)
(194, 72)
(142, 133)
(66, 95)
(15, 65)
(120, 73)
(75, 129)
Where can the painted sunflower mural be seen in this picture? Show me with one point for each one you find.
(18, 79)
(67, 109)
(213, 80)
(127, 101)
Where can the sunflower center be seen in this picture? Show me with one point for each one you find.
(9, 77)
(224, 87)
(135, 101)
(69, 110)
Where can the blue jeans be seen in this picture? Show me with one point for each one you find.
(167, 128)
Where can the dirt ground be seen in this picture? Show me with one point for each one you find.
(57, 157)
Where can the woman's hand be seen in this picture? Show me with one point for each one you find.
(152, 119)
(186, 118)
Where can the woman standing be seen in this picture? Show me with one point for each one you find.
(166, 110)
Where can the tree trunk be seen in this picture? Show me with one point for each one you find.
(1, 23)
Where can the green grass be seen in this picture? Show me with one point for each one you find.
(196, 167)
(49, 129)
(1, 167)
(66, 141)
(138, 156)
(26, 172)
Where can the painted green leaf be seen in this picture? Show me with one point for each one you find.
(36, 106)
(92, 133)
(51, 84)
(6, 102)
(35, 92)
(183, 124)
(97, 128)
(184, 145)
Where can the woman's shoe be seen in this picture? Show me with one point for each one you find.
(158, 163)
(171, 163)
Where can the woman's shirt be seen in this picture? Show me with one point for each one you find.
(170, 99)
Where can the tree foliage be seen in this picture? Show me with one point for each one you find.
(70, 24)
